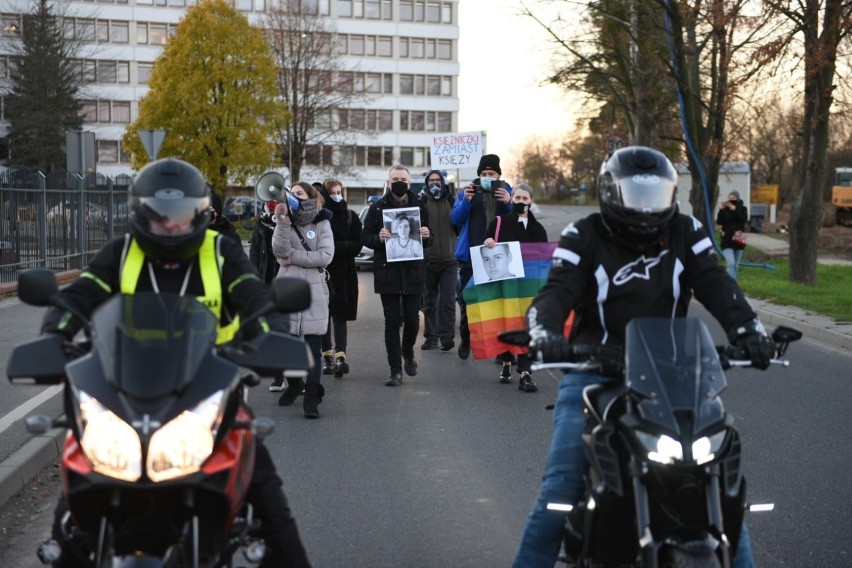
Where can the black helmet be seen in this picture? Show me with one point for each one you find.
(171, 192)
(636, 191)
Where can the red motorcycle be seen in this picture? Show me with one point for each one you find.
(160, 448)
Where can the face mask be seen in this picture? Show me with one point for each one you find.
(337, 197)
(435, 189)
(292, 202)
(520, 208)
(399, 188)
(306, 212)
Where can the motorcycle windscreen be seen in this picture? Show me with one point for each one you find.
(674, 367)
(150, 345)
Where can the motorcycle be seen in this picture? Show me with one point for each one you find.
(664, 486)
(160, 448)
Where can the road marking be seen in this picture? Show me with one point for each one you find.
(28, 406)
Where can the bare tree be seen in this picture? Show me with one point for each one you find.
(822, 25)
(314, 85)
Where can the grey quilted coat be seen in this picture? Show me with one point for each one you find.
(306, 264)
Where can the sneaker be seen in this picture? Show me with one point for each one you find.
(430, 343)
(277, 384)
(526, 383)
(341, 367)
(506, 373)
(327, 363)
(464, 350)
(410, 367)
(394, 380)
(447, 344)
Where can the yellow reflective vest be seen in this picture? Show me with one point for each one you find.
(209, 263)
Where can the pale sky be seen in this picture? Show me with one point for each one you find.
(503, 58)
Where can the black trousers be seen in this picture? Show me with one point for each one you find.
(338, 325)
(465, 274)
(278, 527)
(439, 300)
(409, 314)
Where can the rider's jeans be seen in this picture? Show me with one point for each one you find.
(563, 481)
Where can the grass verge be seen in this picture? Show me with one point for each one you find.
(831, 296)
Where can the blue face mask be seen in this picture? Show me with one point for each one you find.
(292, 202)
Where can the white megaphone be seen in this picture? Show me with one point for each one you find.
(271, 187)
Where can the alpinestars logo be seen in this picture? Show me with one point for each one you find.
(639, 268)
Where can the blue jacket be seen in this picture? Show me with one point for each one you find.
(466, 213)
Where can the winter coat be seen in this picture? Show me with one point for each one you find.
(471, 216)
(309, 265)
(343, 282)
(512, 229)
(444, 234)
(260, 249)
(403, 277)
(731, 222)
(223, 225)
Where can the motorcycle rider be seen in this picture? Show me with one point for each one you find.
(171, 249)
(638, 257)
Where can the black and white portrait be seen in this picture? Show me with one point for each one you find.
(500, 262)
(404, 226)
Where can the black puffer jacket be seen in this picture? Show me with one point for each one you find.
(404, 277)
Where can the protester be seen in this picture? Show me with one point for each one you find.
(472, 214)
(519, 225)
(219, 222)
(304, 246)
(263, 259)
(399, 284)
(170, 250)
(439, 287)
(636, 258)
(732, 217)
(343, 280)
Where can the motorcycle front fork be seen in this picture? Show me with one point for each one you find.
(649, 547)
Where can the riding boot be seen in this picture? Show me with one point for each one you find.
(313, 396)
(295, 387)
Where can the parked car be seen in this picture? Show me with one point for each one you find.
(242, 208)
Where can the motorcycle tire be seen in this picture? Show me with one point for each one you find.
(671, 557)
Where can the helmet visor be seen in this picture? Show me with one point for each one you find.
(170, 212)
(647, 193)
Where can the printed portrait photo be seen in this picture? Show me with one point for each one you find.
(404, 226)
(499, 263)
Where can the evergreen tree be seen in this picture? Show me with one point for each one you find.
(42, 103)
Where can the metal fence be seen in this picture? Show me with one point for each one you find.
(59, 220)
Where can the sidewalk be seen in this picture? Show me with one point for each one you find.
(21, 466)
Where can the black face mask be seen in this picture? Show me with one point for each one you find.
(399, 188)
(520, 208)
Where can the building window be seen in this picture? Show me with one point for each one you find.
(119, 32)
(108, 151)
(104, 112)
(365, 9)
(143, 72)
(121, 112)
(10, 25)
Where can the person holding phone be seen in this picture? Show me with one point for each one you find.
(732, 217)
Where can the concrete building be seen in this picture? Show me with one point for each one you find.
(406, 50)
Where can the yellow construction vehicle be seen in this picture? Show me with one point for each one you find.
(841, 195)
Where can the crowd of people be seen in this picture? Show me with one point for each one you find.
(313, 235)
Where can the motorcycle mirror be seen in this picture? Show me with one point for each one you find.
(291, 295)
(37, 287)
(784, 334)
(519, 337)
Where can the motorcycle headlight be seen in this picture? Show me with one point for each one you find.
(111, 445)
(182, 445)
(663, 449)
(704, 449)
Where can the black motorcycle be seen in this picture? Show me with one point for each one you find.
(160, 448)
(664, 486)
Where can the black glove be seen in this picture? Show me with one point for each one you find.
(758, 346)
(547, 346)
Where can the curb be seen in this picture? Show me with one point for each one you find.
(28, 460)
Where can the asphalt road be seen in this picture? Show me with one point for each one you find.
(442, 470)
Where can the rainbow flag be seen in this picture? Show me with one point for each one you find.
(494, 307)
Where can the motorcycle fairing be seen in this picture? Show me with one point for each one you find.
(673, 366)
(41, 360)
(136, 336)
